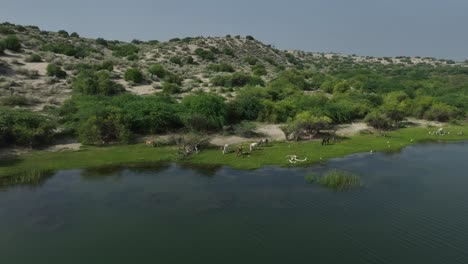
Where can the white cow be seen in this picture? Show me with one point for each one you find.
(225, 149)
(253, 146)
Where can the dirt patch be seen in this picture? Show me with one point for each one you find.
(273, 131)
(351, 129)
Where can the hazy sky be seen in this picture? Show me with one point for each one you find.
(437, 28)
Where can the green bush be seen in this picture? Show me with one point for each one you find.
(171, 88)
(101, 42)
(124, 50)
(222, 67)
(5, 30)
(66, 49)
(378, 120)
(55, 70)
(14, 100)
(250, 37)
(189, 60)
(228, 51)
(105, 128)
(90, 82)
(74, 35)
(339, 180)
(133, 75)
(33, 58)
(173, 78)
(12, 43)
(205, 54)
(176, 60)
(158, 70)
(441, 112)
(250, 60)
(63, 33)
(259, 70)
(203, 111)
(2, 46)
(25, 128)
(237, 79)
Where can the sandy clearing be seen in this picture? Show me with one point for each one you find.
(351, 129)
(142, 89)
(62, 147)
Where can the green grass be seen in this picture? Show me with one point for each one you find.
(275, 154)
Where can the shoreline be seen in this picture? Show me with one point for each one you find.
(274, 154)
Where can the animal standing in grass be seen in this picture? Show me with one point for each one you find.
(226, 149)
(253, 146)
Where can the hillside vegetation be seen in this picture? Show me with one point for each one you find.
(103, 91)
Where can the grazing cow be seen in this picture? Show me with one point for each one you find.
(326, 141)
(239, 151)
(263, 142)
(460, 133)
(149, 143)
(225, 149)
(253, 146)
(440, 131)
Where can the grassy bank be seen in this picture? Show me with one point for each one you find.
(275, 154)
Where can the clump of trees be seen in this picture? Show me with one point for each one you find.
(305, 123)
(221, 67)
(66, 49)
(92, 82)
(21, 127)
(204, 111)
(124, 50)
(237, 79)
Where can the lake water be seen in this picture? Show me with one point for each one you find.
(412, 208)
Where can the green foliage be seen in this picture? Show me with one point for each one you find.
(74, 35)
(124, 50)
(6, 30)
(14, 100)
(339, 180)
(102, 42)
(247, 104)
(11, 42)
(378, 120)
(104, 128)
(203, 111)
(63, 33)
(91, 82)
(251, 60)
(205, 54)
(33, 58)
(441, 112)
(133, 75)
(176, 60)
(228, 51)
(24, 128)
(171, 88)
(308, 122)
(237, 79)
(158, 70)
(55, 70)
(66, 49)
(173, 78)
(221, 67)
(259, 69)
(249, 37)
(2, 47)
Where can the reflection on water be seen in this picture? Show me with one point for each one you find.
(412, 208)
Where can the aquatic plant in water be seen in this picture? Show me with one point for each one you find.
(336, 180)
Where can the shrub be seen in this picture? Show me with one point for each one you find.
(158, 70)
(441, 112)
(2, 47)
(90, 82)
(228, 51)
(378, 120)
(205, 54)
(173, 78)
(237, 79)
(251, 60)
(65, 49)
(176, 60)
(63, 33)
(14, 100)
(203, 111)
(308, 122)
(222, 67)
(74, 35)
(101, 42)
(170, 88)
(34, 58)
(250, 37)
(5, 30)
(55, 70)
(104, 128)
(133, 75)
(124, 50)
(189, 60)
(12, 43)
(24, 128)
(259, 70)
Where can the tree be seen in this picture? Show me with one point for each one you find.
(205, 54)
(101, 42)
(105, 128)
(55, 70)
(250, 37)
(378, 120)
(203, 111)
(308, 122)
(158, 70)
(441, 112)
(74, 35)
(170, 88)
(12, 43)
(133, 75)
